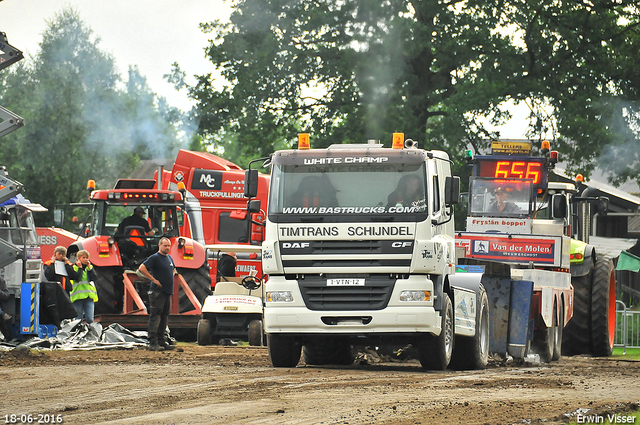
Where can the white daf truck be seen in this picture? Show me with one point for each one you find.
(360, 250)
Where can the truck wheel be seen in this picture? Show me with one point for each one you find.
(544, 338)
(558, 320)
(204, 332)
(284, 351)
(473, 352)
(255, 332)
(200, 283)
(603, 308)
(435, 351)
(327, 352)
(576, 338)
(110, 290)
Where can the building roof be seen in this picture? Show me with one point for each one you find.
(618, 197)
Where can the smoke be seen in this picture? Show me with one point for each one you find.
(622, 162)
(622, 159)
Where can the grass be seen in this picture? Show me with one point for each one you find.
(632, 353)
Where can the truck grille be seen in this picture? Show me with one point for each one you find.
(374, 295)
(347, 263)
(312, 255)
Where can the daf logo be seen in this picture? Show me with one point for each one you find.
(208, 180)
(295, 245)
(401, 244)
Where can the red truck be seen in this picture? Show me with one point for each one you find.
(214, 195)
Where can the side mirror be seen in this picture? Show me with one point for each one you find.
(251, 183)
(58, 217)
(253, 206)
(452, 190)
(603, 205)
(558, 206)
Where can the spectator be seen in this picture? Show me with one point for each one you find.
(83, 291)
(59, 269)
(54, 297)
(4, 317)
(159, 269)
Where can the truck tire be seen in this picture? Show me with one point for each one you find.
(559, 328)
(576, 338)
(327, 352)
(200, 283)
(603, 308)
(255, 333)
(204, 332)
(284, 351)
(435, 351)
(544, 338)
(473, 352)
(110, 290)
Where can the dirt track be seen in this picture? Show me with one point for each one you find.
(205, 385)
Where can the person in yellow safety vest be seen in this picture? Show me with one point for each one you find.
(83, 291)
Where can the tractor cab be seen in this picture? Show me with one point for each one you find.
(138, 233)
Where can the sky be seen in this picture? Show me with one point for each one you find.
(151, 34)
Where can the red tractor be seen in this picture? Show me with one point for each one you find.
(116, 253)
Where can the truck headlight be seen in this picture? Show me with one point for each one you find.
(415, 296)
(280, 297)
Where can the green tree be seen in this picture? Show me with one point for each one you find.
(351, 71)
(80, 123)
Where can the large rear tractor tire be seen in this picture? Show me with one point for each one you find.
(110, 290)
(435, 352)
(473, 352)
(576, 338)
(603, 308)
(200, 283)
(204, 332)
(328, 352)
(284, 351)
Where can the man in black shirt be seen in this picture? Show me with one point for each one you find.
(159, 268)
(136, 219)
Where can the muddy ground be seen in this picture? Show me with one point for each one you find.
(215, 385)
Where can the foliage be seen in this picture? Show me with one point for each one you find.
(362, 69)
(79, 122)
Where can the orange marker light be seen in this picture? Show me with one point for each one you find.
(91, 184)
(398, 141)
(303, 141)
(180, 187)
(546, 145)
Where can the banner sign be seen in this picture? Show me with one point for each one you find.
(514, 249)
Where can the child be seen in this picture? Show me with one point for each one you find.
(83, 291)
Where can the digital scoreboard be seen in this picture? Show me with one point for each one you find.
(513, 168)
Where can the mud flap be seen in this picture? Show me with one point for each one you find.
(510, 325)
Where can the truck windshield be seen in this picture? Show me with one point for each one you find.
(501, 198)
(362, 189)
(22, 226)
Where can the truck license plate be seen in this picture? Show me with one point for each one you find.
(345, 282)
